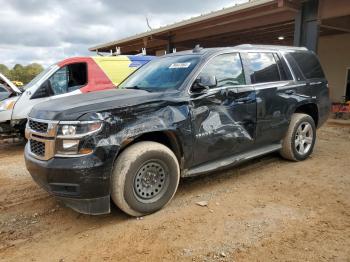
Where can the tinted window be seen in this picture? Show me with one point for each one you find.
(283, 69)
(296, 70)
(226, 68)
(308, 64)
(69, 78)
(263, 68)
(162, 73)
(59, 81)
(2, 89)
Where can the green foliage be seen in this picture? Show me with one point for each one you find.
(21, 73)
(4, 70)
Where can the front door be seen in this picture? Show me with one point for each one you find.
(224, 116)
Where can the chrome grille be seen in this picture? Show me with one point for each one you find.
(38, 126)
(41, 135)
(37, 148)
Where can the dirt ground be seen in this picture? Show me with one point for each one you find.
(267, 209)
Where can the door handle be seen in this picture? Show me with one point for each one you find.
(243, 99)
(224, 92)
(290, 92)
(315, 83)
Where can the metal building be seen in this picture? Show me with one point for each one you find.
(320, 25)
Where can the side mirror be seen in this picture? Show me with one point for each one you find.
(45, 90)
(204, 83)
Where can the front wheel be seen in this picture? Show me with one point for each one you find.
(145, 178)
(300, 138)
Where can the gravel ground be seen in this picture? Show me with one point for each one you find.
(267, 209)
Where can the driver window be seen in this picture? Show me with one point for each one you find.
(227, 69)
(59, 81)
(69, 78)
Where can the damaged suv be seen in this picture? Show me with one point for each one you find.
(181, 115)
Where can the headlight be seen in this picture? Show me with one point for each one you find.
(70, 137)
(78, 129)
(8, 104)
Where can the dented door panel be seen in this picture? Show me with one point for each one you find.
(273, 107)
(223, 123)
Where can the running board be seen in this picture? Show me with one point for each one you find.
(230, 161)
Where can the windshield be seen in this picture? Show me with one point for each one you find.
(162, 74)
(38, 77)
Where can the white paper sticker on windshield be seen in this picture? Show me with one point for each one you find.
(180, 65)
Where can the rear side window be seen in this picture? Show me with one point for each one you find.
(263, 68)
(283, 69)
(227, 69)
(308, 64)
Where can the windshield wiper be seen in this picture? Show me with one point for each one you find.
(136, 87)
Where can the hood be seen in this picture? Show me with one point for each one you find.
(10, 85)
(72, 107)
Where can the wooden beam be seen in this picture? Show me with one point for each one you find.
(346, 30)
(333, 8)
(227, 19)
(266, 30)
(275, 17)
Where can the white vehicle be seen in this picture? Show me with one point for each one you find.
(9, 94)
(68, 77)
(14, 110)
(7, 88)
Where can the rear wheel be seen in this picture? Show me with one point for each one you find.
(145, 178)
(299, 141)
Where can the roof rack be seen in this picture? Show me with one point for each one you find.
(197, 49)
(249, 46)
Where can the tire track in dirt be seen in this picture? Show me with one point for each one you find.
(266, 209)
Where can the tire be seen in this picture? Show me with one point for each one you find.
(145, 178)
(299, 141)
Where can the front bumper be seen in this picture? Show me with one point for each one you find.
(82, 183)
(5, 115)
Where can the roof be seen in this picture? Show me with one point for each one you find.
(271, 47)
(81, 59)
(244, 47)
(124, 57)
(270, 22)
(214, 14)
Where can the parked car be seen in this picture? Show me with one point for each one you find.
(4, 92)
(68, 77)
(184, 114)
(7, 88)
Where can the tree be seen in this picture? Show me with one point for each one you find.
(32, 71)
(17, 73)
(21, 73)
(4, 70)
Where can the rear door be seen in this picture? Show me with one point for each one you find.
(274, 87)
(306, 64)
(223, 117)
(315, 85)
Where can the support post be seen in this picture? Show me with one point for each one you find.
(169, 47)
(306, 31)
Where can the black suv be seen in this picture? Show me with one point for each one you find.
(183, 114)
